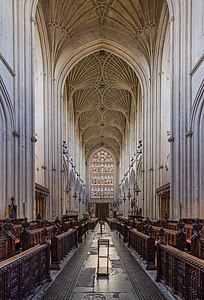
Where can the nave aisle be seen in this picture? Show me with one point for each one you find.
(127, 279)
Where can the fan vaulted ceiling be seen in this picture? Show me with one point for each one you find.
(136, 20)
(102, 85)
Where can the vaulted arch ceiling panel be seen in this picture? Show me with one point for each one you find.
(91, 132)
(115, 118)
(105, 142)
(118, 73)
(64, 19)
(89, 118)
(137, 19)
(113, 132)
(117, 99)
(102, 98)
(87, 73)
(86, 99)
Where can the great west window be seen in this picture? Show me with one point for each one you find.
(102, 175)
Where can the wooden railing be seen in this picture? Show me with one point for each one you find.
(183, 272)
(170, 235)
(122, 231)
(144, 246)
(82, 231)
(20, 274)
(7, 241)
(62, 244)
(30, 238)
(92, 223)
(188, 228)
(112, 223)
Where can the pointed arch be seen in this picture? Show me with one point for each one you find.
(197, 146)
(7, 150)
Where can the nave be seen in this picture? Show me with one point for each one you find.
(101, 118)
(127, 278)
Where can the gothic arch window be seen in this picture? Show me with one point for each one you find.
(102, 175)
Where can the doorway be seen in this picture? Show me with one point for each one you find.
(102, 211)
(165, 206)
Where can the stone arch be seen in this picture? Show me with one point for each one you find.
(7, 150)
(108, 46)
(197, 147)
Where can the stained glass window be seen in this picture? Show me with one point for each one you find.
(102, 175)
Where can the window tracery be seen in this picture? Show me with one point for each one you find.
(102, 175)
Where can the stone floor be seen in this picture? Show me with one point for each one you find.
(114, 286)
(127, 279)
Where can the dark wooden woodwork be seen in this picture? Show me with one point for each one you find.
(170, 235)
(102, 211)
(41, 193)
(181, 237)
(30, 238)
(112, 223)
(122, 231)
(82, 231)
(7, 227)
(66, 226)
(62, 244)
(144, 246)
(3, 244)
(195, 239)
(21, 274)
(182, 272)
(164, 198)
(92, 223)
(71, 218)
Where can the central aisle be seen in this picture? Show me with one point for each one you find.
(127, 280)
(115, 286)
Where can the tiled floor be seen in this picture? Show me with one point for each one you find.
(127, 280)
(115, 286)
(118, 284)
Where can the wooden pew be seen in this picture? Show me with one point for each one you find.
(144, 246)
(20, 274)
(112, 223)
(92, 223)
(82, 230)
(7, 240)
(3, 244)
(188, 228)
(122, 230)
(13, 221)
(62, 244)
(170, 235)
(30, 238)
(182, 272)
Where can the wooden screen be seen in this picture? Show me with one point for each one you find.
(102, 211)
